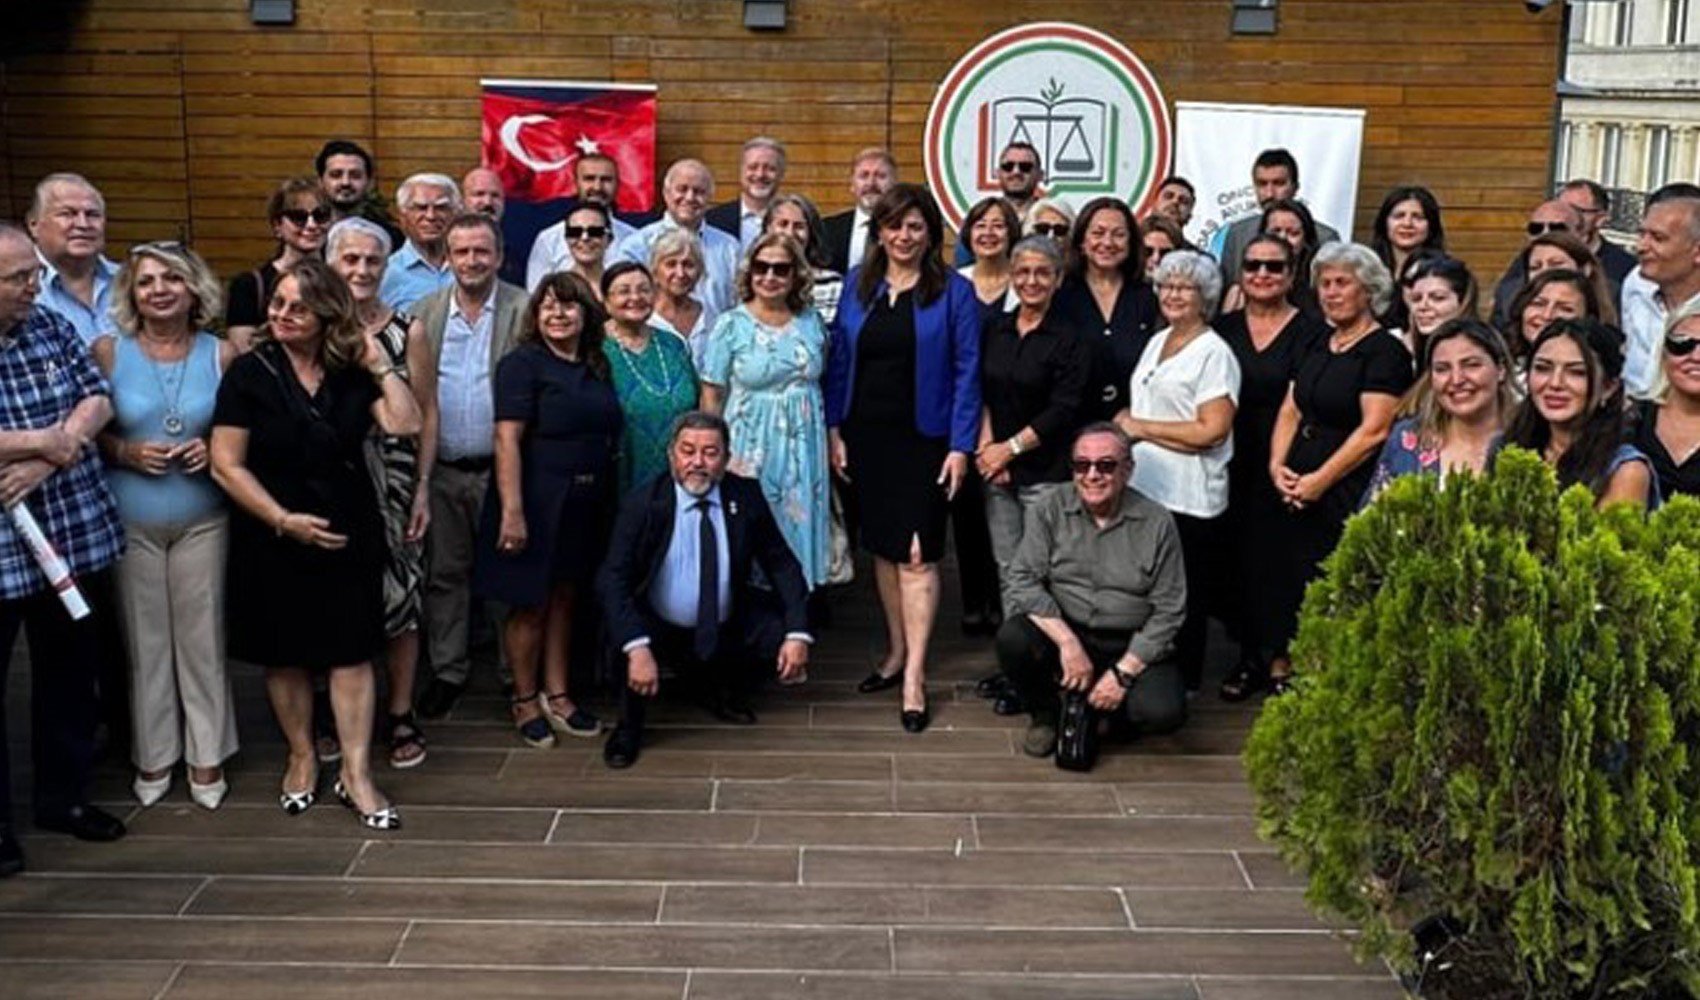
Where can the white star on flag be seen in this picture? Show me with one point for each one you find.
(587, 145)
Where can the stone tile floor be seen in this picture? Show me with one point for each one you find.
(823, 854)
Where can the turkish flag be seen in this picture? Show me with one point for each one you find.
(534, 132)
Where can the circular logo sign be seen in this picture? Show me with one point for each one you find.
(1078, 96)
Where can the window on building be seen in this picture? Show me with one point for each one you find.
(1611, 151)
(1658, 157)
(1676, 22)
(1624, 28)
(1566, 150)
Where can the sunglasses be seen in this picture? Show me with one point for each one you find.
(158, 246)
(1102, 466)
(777, 268)
(586, 232)
(1017, 167)
(1541, 228)
(300, 216)
(1053, 230)
(1680, 347)
(1266, 266)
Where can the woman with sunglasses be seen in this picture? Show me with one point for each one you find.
(676, 263)
(300, 218)
(164, 368)
(1457, 410)
(1436, 289)
(1573, 416)
(1106, 298)
(306, 592)
(762, 373)
(1053, 220)
(1667, 427)
(588, 231)
(1292, 222)
(1269, 337)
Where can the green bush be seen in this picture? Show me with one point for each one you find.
(1497, 699)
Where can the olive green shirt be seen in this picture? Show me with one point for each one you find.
(1125, 576)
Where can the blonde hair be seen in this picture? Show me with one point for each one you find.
(1659, 391)
(203, 284)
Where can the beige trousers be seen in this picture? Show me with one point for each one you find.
(171, 599)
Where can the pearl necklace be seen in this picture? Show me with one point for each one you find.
(628, 358)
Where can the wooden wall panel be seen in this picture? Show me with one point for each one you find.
(187, 115)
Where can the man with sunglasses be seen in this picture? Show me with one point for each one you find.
(597, 179)
(1020, 173)
(1096, 596)
(1551, 216)
(1666, 281)
(67, 220)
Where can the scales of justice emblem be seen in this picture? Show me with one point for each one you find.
(1070, 133)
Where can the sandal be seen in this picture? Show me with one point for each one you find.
(1246, 680)
(536, 731)
(578, 722)
(407, 741)
(385, 817)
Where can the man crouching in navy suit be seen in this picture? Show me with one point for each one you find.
(676, 586)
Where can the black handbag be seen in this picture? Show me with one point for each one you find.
(1077, 733)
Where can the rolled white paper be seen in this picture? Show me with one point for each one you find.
(52, 566)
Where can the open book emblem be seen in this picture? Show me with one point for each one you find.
(1070, 133)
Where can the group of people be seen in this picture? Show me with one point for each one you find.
(666, 444)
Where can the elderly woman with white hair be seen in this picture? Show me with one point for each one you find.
(1182, 398)
(1338, 411)
(400, 466)
(676, 262)
(164, 367)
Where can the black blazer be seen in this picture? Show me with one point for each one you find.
(727, 217)
(644, 531)
(837, 228)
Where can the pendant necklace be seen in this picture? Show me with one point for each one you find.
(629, 357)
(173, 419)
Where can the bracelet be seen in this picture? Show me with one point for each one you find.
(278, 527)
(1014, 443)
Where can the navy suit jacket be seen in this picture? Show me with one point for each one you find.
(644, 531)
(727, 217)
(947, 360)
(837, 234)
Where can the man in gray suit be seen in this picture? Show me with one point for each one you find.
(1274, 176)
(470, 325)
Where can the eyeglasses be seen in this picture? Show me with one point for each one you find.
(158, 246)
(777, 268)
(300, 216)
(1053, 230)
(1542, 228)
(586, 232)
(432, 207)
(1018, 167)
(1102, 466)
(33, 275)
(1176, 288)
(1680, 347)
(1276, 267)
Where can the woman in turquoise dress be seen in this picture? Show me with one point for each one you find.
(763, 368)
(653, 374)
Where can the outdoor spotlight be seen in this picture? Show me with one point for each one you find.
(764, 15)
(272, 11)
(1254, 17)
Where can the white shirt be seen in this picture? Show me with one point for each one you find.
(696, 338)
(466, 401)
(858, 237)
(1644, 315)
(1195, 484)
(549, 252)
(749, 224)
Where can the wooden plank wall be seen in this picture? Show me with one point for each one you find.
(187, 115)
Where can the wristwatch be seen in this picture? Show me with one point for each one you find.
(1123, 678)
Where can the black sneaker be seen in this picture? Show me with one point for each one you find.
(11, 854)
(439, 698)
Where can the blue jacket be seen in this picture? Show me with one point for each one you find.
(947, 361)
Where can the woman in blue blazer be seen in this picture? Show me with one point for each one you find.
(903, 411)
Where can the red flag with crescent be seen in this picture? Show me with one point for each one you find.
(534, 131)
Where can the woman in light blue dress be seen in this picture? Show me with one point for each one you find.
(762, 371)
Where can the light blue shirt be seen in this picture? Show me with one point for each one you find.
(720, 255)
(749, 225)
(675, 590)
(466, 402)
(410, 277)
(90, 322)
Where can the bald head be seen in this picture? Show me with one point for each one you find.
(20, 278)
(481, 191)
(1555, 214)
(686, 191)
(68, 221)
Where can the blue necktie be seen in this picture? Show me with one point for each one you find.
(708, 583)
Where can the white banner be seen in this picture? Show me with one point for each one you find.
(1216, 144)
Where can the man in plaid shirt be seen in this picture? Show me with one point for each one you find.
(52, 402)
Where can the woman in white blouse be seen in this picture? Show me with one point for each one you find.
(1180, 414)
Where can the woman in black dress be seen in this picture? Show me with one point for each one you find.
(1106, 298)
(1269, 337)
(558, 423)
(1667, 428)
(903, 410)
(1338, 411)
(300, 218)
(305, 589)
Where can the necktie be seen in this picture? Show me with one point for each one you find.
(708, 583)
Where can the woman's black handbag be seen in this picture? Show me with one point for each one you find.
(1077, 733)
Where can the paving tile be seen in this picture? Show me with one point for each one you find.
(790, 986)
(1268, 871)
(933, 741)
(84, 980)
(1125, 833)
(1221, 909)
(803, 767)
(419, 823)
(830, 866)
(838, 948)
(576, 862)
(432, 899)
(826, 830)
(95, 894)
(1185, 799)
(1100, 952)
(1045, 800)
(804, 796)
(222, 982)
(1369, 988)
(180, 856)
(654, 828)
(565, 790)
(989, 907)
(948, 714)
(1110, 769)
(189, 938)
